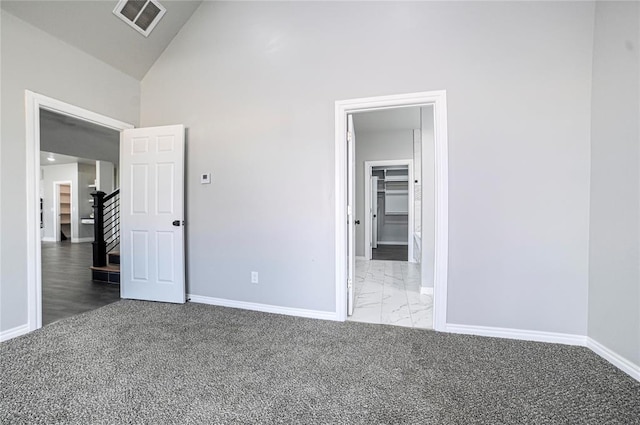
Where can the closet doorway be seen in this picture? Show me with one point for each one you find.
(389, 210)
(62, 211)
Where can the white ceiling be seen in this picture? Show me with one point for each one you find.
(77, 138)
(62, 159)
(50, 120)
(92, 27)
(387, 119)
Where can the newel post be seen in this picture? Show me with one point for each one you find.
(99, 244)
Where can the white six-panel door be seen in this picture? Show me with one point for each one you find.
(152, 214)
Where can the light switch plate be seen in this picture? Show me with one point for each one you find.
(205, 178)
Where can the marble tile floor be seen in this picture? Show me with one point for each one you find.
(388, 292)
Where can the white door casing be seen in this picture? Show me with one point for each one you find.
(351, 243)
(34, 102)
(152, 214)
(343, 109)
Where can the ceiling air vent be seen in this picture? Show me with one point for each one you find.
(142, 15)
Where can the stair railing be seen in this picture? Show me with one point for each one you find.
(106, 226)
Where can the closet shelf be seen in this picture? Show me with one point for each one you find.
(403, 178)
(393, 184)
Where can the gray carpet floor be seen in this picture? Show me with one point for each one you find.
(138, 362)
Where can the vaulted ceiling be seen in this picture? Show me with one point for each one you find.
(92, 27)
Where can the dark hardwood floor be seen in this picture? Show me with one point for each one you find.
(67, 288)
(390, 252)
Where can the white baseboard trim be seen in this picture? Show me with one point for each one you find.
(540, 336)
(48, 239)
(266, 308)
(393, 243)
(426, 291)
(14, 332)
(615, 359)
(609, 355)
(81, 240)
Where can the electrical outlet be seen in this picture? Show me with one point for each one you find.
(254, 277)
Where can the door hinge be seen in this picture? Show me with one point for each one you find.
(349, 136)
(349, 283)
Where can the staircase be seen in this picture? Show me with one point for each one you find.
(106, 228)
(110, 273)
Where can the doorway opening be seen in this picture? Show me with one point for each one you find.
(38, 106)
(86, 157)
(347, 214)
(387, 284)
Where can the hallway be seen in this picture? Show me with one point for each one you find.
(388, 292)
(67, 288)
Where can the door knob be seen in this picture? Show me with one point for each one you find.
(176, 222)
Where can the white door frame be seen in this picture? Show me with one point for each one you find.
(439, 101)
(373, 193)
(34, 102)
(368, 166)
(57, 226)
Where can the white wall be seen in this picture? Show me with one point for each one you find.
(378, 146)
(104, 176)
(255, 83)
(36, 61)
(428, 196)
(614, 275)
(86, 177)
